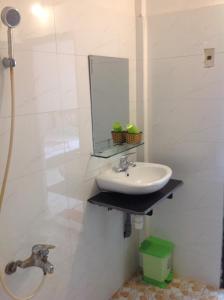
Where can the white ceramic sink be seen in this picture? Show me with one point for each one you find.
(144, 178)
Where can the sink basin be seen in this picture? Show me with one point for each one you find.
(144, 178)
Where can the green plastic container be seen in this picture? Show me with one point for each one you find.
(157, 261)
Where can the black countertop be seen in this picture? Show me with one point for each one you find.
(135, 204)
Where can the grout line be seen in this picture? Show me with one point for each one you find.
(45, 113)
(184, 56)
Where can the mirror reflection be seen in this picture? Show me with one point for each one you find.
(109, 86)
(109, 82)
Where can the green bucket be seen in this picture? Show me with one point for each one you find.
(157, 261)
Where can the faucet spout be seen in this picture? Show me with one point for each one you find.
(48, 268)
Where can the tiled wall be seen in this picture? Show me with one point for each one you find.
(52, 173)
(188, 130)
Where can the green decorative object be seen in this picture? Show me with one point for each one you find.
(131, 128)
(118, 135)
(117, 127)
(134, 135)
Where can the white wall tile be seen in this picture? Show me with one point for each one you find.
(87, 35)
(170, 6)
(187, 132)
(37, 84)
(187, 32)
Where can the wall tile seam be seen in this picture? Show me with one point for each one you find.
(131, 58)
(183, 11)
(24, 50)
(55, 34)
(154, 59)
(16, 179)
(64, 161)
(50, 112)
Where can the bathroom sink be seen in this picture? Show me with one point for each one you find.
(144, 178)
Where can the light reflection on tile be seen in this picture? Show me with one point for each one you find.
(39, 35)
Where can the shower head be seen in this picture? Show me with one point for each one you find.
(10, 17)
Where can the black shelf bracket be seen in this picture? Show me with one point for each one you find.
(170, 196)
(150, 213)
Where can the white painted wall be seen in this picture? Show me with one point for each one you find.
(170, 6)
(188, 130)
(52, 174)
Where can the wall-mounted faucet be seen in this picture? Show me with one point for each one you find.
(124, 163)
(38, 258)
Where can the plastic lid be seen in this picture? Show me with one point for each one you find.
(156, 247)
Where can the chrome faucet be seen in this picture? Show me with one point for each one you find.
(124, 163)
(38, 258)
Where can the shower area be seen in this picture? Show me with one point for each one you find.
(39, 257)
(51, 174)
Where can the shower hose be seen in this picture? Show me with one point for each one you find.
(4, 184)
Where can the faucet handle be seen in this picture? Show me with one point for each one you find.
(42, 249)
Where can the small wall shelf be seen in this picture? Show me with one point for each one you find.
(134, 204)
(114, 149)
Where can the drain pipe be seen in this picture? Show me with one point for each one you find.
(127, 226)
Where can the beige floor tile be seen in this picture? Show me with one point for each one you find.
(179, 289)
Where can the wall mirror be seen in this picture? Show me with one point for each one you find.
(109, 86)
